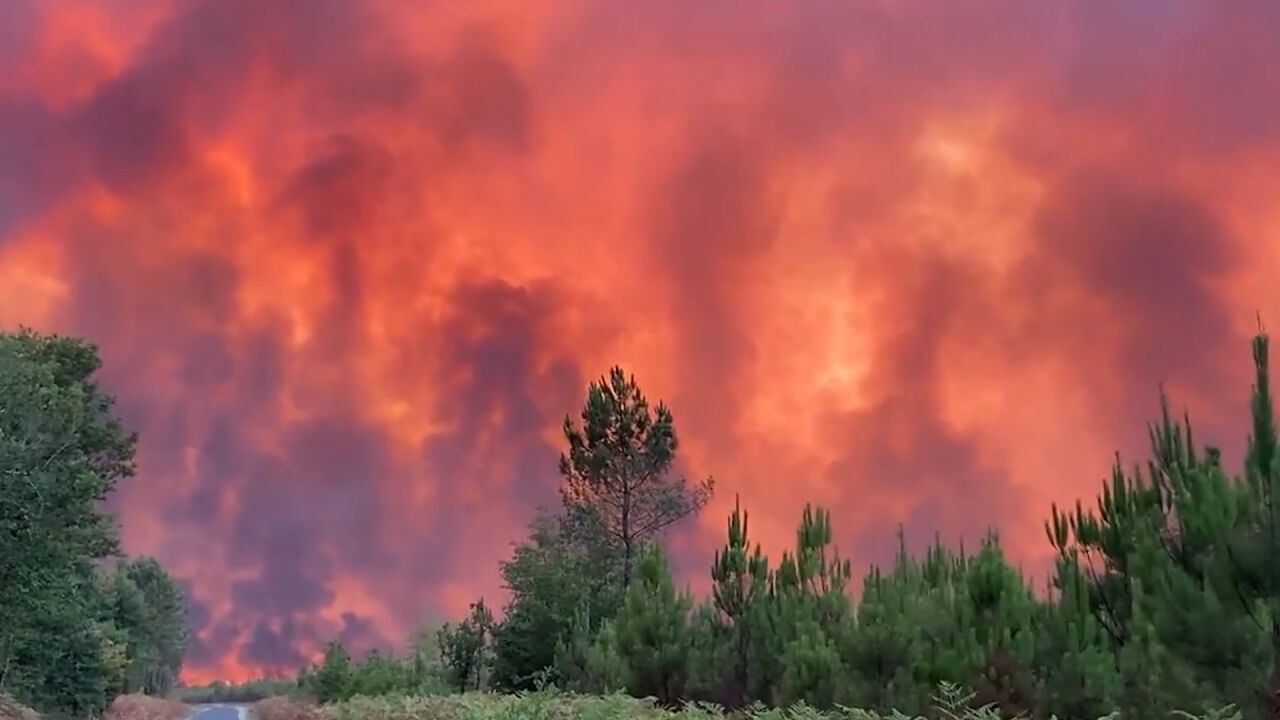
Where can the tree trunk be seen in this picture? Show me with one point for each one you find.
(626, 563)
(626, 540)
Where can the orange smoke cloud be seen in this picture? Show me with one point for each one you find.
(350, 264)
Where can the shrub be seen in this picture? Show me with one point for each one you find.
(282, 708)
(11, 709)
(145, 707)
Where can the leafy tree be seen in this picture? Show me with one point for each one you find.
(549, 581)
(333, 679)
(463, 648)
(70, 671)
(143, 603)
(159, 641)
(61, 452)
(616, 473)
(123, 617)
(380, 674)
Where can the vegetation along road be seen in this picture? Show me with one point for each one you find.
(218, 712)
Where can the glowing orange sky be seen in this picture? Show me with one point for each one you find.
(350, 264)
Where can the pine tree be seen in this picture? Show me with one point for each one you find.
(741, 577)
(653, 631)
(805, 615)
(607, 671)
(333, 678)
(811, 668)
(1075, 659)
(617, 489)
(883, 653)
(713, 655)
(1004, 617)
(1200, 546)
(1259, 575)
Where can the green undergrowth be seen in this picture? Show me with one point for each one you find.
(950, 703)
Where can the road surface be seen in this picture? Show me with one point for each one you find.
(217, 712)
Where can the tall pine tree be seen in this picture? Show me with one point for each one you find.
(741, 582)
(617, 489)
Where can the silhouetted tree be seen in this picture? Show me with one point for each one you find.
(617, 488)
(464, 647)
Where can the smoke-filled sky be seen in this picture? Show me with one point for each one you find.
(351, 263)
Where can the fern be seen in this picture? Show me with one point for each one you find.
(1228, 712)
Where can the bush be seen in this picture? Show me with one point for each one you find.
(282, 708)
(11, 709)
(145, 707)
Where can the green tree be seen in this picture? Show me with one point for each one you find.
(123, 616)
(142, 601)
(653, 631)
(606, 670)
(573, 653)
(162, 636)
(380, 674)
(713, 656)
(740, 574)
(1254, 552)
(811, 667)
(617, 483)
(464, 647)
(62, 450)
(333, 679)
(807, 606)
(1001, 617)
(1076, 662)
(884, 654)
(1178, 562)
(549, 580)
(425, 661)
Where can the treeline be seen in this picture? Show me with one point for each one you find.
(1165, 596)
(79, 623)
(249, 691)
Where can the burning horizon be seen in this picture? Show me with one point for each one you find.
(351, 264)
